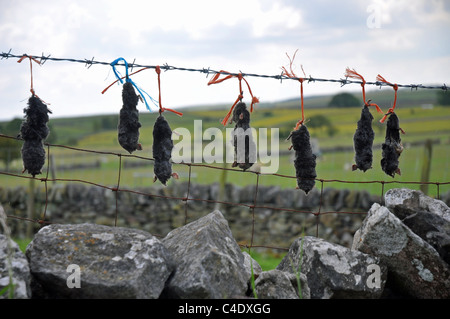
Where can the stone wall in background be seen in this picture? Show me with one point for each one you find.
(401, 250)
(75, 203)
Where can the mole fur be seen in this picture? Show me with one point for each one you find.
(34, 131)
(241, 116)
(305, 160)
(128, 128)
(162, 149)
(392, 146)
(363, 141)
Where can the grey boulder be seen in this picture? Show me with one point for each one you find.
(95, 261)
(277, 284)
(427, 217)
(14, 262)
(209, 262)
(334, 271)
(414, 266)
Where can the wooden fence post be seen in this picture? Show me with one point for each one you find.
(426, 166)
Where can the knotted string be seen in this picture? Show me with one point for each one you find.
(353, 74)
(216, 80)
(31, 72)
(31, 75)
(395, 87)
(291, 74)
(162, 109)
(123, 77)
(128, 79)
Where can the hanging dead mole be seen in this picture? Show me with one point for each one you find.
(305, 160)
(244, 146)
(34, 131)
(363, 141)
(392, 147)
(162, 150)
(128, 128)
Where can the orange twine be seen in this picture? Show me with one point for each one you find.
(291, 74)
(395, 87)
(353, 74)
(31, 69)
(158, 71)
(216, 80)
(162, 109)
(123, 77)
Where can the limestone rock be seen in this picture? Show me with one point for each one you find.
(277, 284)
(414, 266)
(427, 217)
(334, 271)
(209, 262)
(112, 262)
(20, 270)
(413, 198)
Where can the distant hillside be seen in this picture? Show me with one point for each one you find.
(383, 97)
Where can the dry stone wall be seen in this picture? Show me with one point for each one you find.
(74, 203)
(80, 203)
(201, 260)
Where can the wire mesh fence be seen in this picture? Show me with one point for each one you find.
(191, 170)
(188, 199)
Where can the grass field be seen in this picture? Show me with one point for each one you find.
(418, 122)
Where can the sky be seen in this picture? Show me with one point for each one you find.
(406, 42)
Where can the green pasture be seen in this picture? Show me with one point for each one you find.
(418, 123)
(330, 166)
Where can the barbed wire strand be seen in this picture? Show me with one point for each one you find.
(252, 206)
(207, 71)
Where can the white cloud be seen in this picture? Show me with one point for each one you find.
(192, 17)
(199, 17)
(275, 21)
(421, 12)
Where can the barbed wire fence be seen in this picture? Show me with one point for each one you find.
(342, 81)
(253, 206)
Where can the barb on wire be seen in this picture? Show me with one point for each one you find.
(89, 62)
(207, 71)
(132, 65)
(166, 67)
(6, 55)
(43, 58)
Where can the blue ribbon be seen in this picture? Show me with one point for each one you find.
(127, 79)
